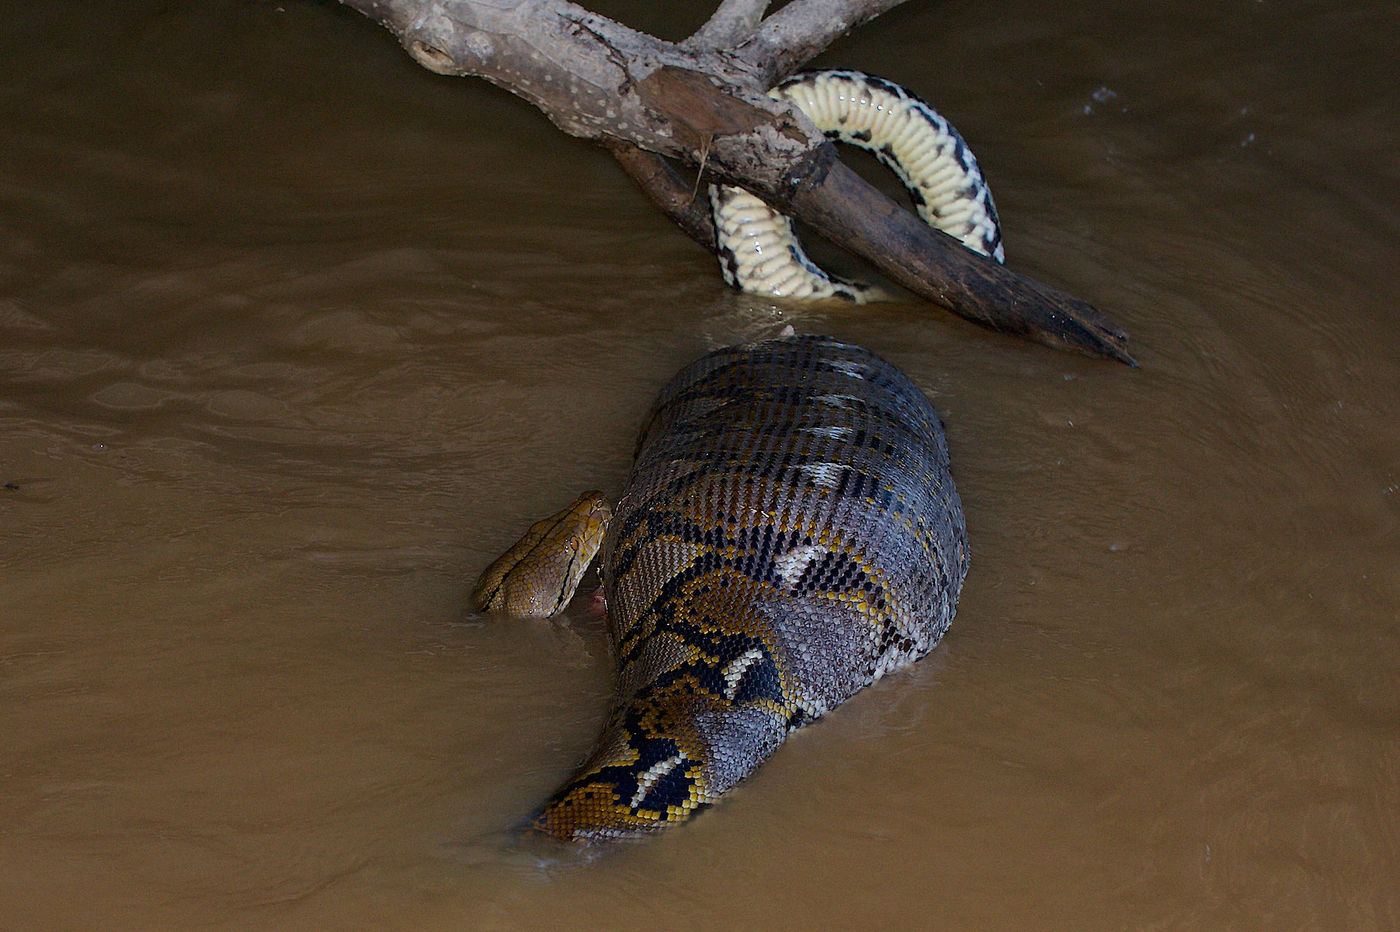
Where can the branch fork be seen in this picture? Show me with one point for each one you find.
(704, 102)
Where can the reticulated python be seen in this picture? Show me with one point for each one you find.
(789, 532)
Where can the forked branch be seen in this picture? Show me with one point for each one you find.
(704, 101)
(732, 23)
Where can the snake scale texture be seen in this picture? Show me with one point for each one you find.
(789, 533)
(757, 247)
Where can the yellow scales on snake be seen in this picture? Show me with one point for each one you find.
(789, 532)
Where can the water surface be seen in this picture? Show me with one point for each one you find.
(295, 337)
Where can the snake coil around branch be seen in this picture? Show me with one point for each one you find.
(707, 100)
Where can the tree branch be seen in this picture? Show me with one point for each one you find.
(597, 79)
(800, 31)
(732, 23)
(856, 216)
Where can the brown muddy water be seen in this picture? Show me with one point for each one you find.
(295, 337)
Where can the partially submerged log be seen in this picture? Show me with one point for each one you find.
(853, 214)
(703, 102)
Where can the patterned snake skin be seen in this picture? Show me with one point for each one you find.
(788, 535)
(757, 248)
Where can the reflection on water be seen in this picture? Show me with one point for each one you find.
(291, 347)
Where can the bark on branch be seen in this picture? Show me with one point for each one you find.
(732, 23)
(704, 102)
(800, 31)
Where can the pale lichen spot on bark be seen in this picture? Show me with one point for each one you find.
(479, 44)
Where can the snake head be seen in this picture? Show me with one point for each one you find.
(537, 576)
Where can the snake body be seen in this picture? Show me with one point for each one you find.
(758, 250)
(789, 533)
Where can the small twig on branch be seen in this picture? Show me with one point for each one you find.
(668, 191)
